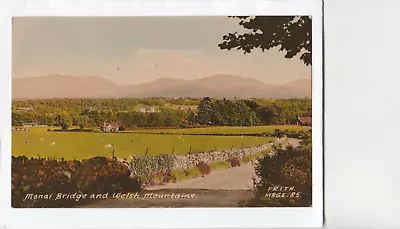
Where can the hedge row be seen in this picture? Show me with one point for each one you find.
(278, 133)
(93, 176)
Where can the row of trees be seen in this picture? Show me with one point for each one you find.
(226, 113)
(251, 112)
(80, 105)
(64, 119)
(209, 112)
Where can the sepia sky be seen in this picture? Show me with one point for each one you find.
(143, 48)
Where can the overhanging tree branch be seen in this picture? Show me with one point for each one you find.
(291, 34)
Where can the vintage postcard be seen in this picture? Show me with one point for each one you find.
(165, 112)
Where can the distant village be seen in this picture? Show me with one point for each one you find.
(146, 109)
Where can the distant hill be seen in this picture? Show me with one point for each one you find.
(217, 86)
(61, 86)
(299, 87)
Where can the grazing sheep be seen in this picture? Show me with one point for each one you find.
(67, 174)
(108, 146)
(41, 139)
(52, 143)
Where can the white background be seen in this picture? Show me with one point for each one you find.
(157, 217)
(362, 85)
(362, 113)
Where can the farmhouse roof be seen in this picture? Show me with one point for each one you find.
(112, 124)
(305, 119)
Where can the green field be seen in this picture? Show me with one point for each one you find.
(80, 145)
(223, 130)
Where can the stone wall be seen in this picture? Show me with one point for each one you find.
(143, 166)
(191, 160)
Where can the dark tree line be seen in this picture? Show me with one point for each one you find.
(209, 111)
(251, 112)
(80, 105)
(226, 113)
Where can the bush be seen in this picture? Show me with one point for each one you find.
(158, 178)
(38, 176)
(235, 161)
(204, 168)
(288, 167)
(143, 167)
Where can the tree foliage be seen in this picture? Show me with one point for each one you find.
(64, 120)
(82, 121)
(291, 34)
(285, 167)
(87, 113)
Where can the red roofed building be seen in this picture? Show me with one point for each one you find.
(304, 121)
(110, 126)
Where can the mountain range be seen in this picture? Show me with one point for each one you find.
(216, 86)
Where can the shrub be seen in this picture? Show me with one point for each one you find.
(204, 168)
(285, 167)
(145, 166)
(37, 175)
(158, 178)
(235, 161)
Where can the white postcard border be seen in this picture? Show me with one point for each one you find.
(158, 217)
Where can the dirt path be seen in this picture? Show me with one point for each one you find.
(237, 178)
(221, 188)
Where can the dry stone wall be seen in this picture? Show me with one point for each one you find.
(143, 166)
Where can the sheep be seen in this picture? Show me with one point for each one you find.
(108, 146)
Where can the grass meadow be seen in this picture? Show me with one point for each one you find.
(81, 145)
